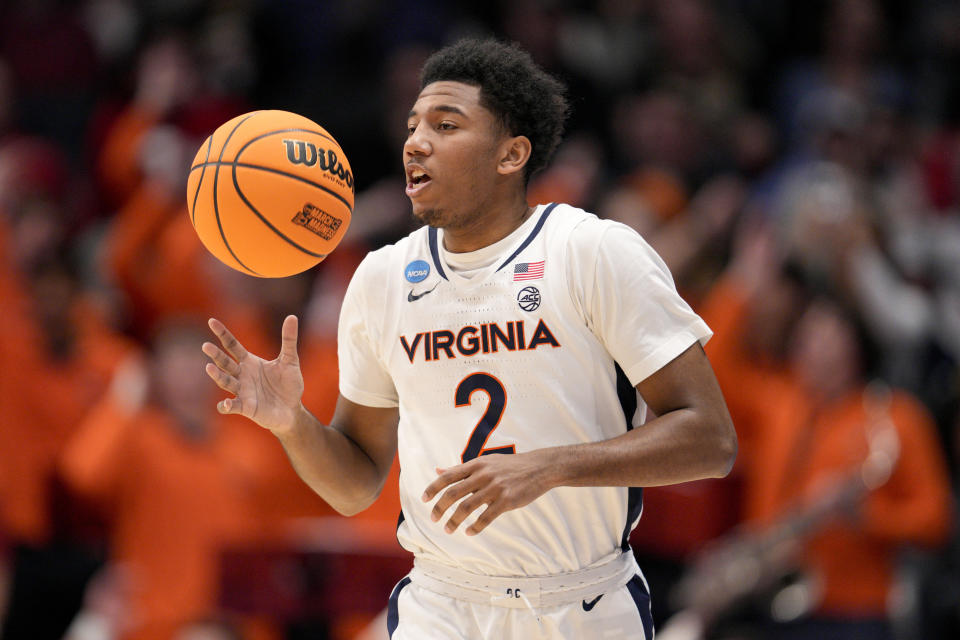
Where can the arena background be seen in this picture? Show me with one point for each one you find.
(782, 156)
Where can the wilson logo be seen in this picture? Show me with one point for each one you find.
(309, 155)
(319, 222)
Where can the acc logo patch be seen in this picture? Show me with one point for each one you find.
(529, 298)
(417, 271)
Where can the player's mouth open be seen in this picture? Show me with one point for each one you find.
(417, 179)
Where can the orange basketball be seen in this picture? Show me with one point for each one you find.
(270, 193)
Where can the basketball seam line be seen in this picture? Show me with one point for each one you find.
(216, 206)
(193, 212)
(291, 130)
(244, 165)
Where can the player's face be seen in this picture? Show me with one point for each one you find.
(451, 154)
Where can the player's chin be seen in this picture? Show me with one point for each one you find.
(428, 215)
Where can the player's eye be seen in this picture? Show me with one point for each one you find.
(411, 128)
(446, 126)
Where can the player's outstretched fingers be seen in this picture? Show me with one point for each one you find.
(288, 340)
(226, 382)
(466, 507)
(226, 363)
(230, 343)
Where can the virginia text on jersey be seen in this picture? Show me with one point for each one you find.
(471, 339)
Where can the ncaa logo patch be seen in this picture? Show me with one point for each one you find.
(417, 271)
(529, 298)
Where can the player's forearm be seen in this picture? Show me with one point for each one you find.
(331, 464)
(679, 446)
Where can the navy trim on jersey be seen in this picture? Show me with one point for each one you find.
(634, 509)
(393, 611)
(435, 252)
(628, 402)
(627, 394)
(640, 596)
(533, 234)
(400, 519)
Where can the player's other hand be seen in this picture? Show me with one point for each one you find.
(266, 391)
(499, 482)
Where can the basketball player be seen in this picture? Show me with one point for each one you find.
(500, 349)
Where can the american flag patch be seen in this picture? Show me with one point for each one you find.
(527, 271)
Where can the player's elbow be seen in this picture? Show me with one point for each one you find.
(717, 443)
(354, 504)
(724, 447)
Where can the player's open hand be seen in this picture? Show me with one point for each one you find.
(267, 392)
(500, 481)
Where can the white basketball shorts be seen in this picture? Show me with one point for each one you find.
(439, 602)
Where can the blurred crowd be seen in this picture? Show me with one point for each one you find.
(796, 164)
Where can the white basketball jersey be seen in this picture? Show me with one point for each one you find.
(522, 355)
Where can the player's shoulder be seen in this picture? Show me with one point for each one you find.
(589, 233)
(378, 262)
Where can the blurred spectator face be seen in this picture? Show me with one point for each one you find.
(774, 312)
(688, 30)
(825, 353)
(833, 122)
(181, 384)
(532, 24)
(853, 28)
(37, 232)
(754, 143)
(167, 77)
(658, 129)
(54, 289)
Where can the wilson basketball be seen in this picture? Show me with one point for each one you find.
(270, 193)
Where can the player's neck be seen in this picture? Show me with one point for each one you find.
(491, 224)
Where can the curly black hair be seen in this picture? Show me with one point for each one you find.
(523, 97)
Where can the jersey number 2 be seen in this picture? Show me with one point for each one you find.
(491, 417)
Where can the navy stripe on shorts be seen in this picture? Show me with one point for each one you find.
(393, 612)
(639, 592)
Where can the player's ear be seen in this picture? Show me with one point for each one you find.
(515, 154)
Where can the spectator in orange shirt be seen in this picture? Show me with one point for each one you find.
(815, 439)
(56, 355)
(162, 465)
(752, 309)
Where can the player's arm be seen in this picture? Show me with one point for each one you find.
(692, 438)
(346, 462)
